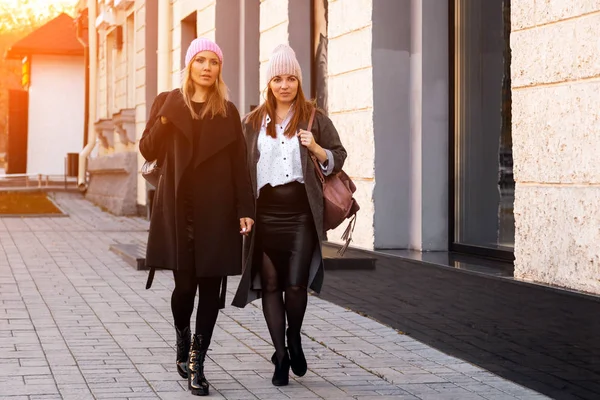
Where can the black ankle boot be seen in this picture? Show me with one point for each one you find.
(197, 383)
(281, 376)
(183, 350)
(297, 359)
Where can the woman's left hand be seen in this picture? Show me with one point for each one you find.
(246, 225)
(307, 140)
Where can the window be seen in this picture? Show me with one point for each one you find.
(110, 73)
(188, 34)
(483, 181)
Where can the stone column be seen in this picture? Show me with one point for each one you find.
(146, 75)
(350, 103)
(556, 141)
(411, 125)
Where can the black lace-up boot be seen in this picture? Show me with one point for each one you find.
(184, 339)
(197, 383)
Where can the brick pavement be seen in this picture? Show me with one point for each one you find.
(77, 323)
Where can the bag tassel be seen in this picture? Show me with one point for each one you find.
(347, 236)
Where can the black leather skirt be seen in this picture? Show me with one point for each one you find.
(285, 232)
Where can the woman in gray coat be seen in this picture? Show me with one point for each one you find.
(283, 255)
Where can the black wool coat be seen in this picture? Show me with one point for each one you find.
(220, 173)
(327, 137)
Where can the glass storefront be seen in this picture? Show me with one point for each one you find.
(483, 179)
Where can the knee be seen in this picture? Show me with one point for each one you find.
(184, 290)
(270, 284)
(296, 290)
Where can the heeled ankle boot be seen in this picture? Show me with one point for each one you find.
(183, 350)
(281, 376)
(297, 359)
(197, 382)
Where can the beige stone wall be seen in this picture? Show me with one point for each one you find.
(140, 90)
(274, 23)
(556, 141)
(350, 103)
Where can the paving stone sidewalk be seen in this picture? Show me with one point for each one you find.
(77, 323)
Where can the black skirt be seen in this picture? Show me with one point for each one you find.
(285, 232)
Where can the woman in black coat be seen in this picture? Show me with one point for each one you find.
(284, 252)
(203, 203)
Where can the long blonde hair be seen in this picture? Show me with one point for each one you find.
(302, 109)
(216, 100)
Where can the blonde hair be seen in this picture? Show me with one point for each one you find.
(216, 100)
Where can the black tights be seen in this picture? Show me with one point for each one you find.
(182, 302)
(275, 309)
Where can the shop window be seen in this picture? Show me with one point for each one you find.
(483, 180)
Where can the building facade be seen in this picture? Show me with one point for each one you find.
(53, 81)
(123, 77)
(556, 139)
(469, 125)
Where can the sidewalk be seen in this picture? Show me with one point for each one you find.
(77, 323)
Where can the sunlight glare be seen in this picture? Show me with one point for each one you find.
(15, 12)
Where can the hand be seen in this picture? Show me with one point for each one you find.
(246, 225)
(307, 140)
(163, 120)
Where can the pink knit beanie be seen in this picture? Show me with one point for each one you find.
(283, 62)
(202, 44)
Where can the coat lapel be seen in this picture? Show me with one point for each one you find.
(215, 135)
(304, 156)
(251, 135)
(176, 111)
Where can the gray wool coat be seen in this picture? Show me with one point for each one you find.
(327, 137)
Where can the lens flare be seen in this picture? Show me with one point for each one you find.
(18, 14)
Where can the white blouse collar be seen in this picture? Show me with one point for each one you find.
(289, 116)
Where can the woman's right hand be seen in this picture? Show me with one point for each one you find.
(246, 225)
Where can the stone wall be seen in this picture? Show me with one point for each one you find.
(141, 103)
(274, 24)
(350, 104)
(113, 182)
(556, 141)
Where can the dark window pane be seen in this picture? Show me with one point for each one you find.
(484, 191)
